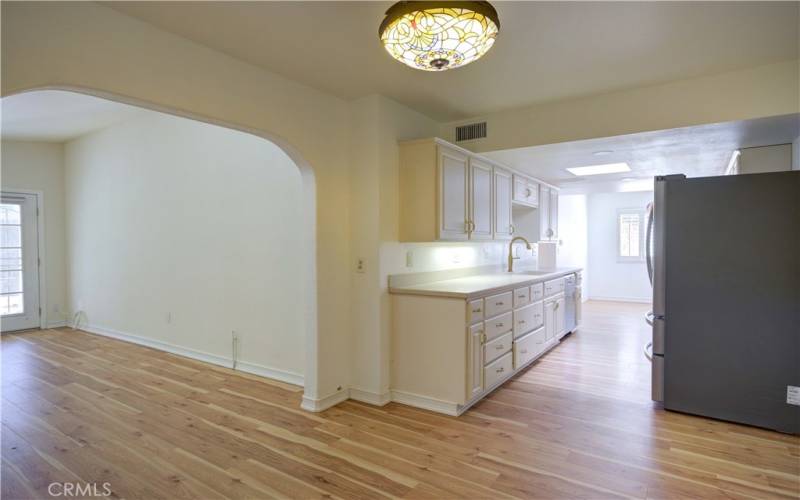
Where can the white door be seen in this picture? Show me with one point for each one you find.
(502, 204)
(475, 353)
(544, 213)
(19, 262)
(480, 200)
(453, 174)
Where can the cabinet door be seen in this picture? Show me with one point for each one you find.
(520, 189)
(502, 204)
(453, 176)
(480, 200)
(475, 361)
(560, 316)
(554, 214)
(549, 320)
(544, 213)
(533, 190)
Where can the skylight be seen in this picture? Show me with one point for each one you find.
(606, 168)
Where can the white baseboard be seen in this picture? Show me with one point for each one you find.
(244, 366)
(426, 403)
(56, 324)
(317, 405)
(639, 300)
(369, 397)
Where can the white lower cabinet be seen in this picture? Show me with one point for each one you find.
(449, 352)
(475, 364)
(498, 369)
(497, 347)
(528, 347)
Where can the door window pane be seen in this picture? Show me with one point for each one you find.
(10, 236)
(11, 304)
(10, 213)
(10, 281)
(10, 259)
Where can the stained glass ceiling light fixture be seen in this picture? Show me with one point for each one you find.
(439, 35)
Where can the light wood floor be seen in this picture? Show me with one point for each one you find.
(577, 424)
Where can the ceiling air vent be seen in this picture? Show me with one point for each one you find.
(471, 132)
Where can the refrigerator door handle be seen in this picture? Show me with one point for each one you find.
(649, 318)
(647, 243)
(648, 351)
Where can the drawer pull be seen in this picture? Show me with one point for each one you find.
(498, 325)
(500, 370)
(499, 303)
(521, 296)
(476, 310)
(500, 347)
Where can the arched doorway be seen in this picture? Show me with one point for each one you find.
(305, 273)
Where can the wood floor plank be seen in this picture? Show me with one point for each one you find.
(578, 423)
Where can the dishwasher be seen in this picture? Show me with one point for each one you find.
(571, 303)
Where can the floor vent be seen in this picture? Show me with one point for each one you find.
(471, 132)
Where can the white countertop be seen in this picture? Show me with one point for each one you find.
(481, 285)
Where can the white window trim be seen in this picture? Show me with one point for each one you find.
(642, 222)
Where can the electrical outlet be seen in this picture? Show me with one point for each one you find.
(360, 266)
(409, 259)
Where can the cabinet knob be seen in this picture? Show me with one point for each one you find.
(500, 370)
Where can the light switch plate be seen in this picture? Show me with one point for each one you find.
(793, 395)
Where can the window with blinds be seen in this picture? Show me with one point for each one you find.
(630, 235)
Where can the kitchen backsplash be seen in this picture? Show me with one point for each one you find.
(398, 258)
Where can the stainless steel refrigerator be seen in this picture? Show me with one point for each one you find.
(724, 258)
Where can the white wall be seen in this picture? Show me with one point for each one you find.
(38, 166)
(573, 235)
(610, 279)
(180, 232)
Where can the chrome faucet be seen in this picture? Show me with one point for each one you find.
(511, 251)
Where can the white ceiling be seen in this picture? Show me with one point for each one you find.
(694, 151)
(57, 116)
(545, 51)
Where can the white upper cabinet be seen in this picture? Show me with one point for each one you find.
(454, 182)
(450, 194)
(503, 228)
(554, 214)
(526, 191)
(544, 213)
(480, 200)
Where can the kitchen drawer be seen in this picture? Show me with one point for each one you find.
(537, 292)
(475, 311)
(522, 296)
(498, 370)
(523, 320)
(498, 326)
(553, 287)
(498, 304)
(497, 347)
(528, 347)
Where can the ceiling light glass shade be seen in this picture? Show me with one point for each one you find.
(437, 36)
